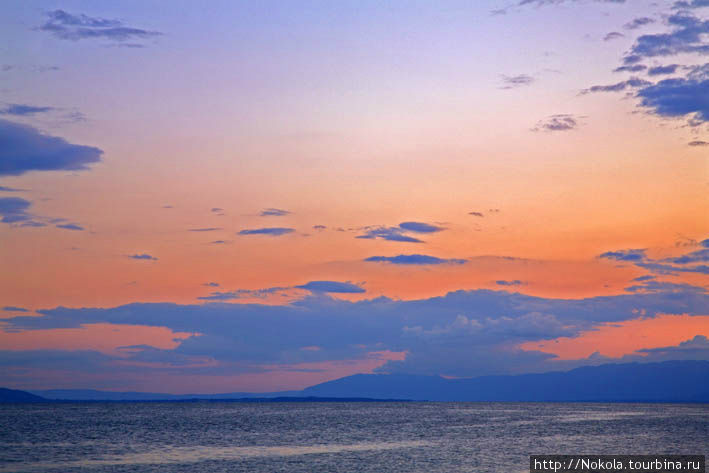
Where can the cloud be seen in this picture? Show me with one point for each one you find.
(24, 149)
(638, 22)
(243, 294)
(399, 233)
(218, 242)
(211, 284)
(70, 226)
(11, 189)
(678, 98)
(272, 231)
(683, 4)
(625, 255)
(559, 122)
(512, 82)
(663, 70)
(698, 143)
(672, 265)
(271, 212)
(696, 348)
(208, 229)
(143, 256)
(10, 308)
(515, 282)
(319, 227)
(14, 209)
(420, 227)
(686, 35)
(462, 333)
(613, 35)
(332, 287)
(632, 68)
(389, 234)
(617, 87)
(67, 26)
(22, 110)
(476, 214)
(541, 3)
(414, 260)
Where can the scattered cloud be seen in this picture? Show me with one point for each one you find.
(207, 229)
(143, 256)
(559, 122)
(663, 70)
(414, 260)
(271, 231)
(686, 35)
(10, 308)
(684, 4)
(14, 209)
(698, 143)
(476, 214)
(515, 282)
(24, 149)
(271, 212)
(332, 287)
(211, 284)
(512, 82)
(420, 227)
(673, 265)
(319, 227)
(638, 23)
(631, 68)
(22, 110)
(618, 87)
(70, 226)
(389, 234)
(613, 35)
(75, 27)
(678, 98)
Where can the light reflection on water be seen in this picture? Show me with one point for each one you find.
(335, 437)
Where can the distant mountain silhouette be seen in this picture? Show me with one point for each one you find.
(13, 395)
(669, 381)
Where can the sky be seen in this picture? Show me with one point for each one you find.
(261, 196)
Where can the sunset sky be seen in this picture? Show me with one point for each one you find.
(260, 196)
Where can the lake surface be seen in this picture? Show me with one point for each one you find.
(335, 437)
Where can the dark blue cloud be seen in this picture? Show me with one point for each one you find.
(463, 333)
(23, 149)
(633, 68)
(638, 22)
(414, 260)
(633, 82)
(67, 26)
(271, 212)
(70, 226)
(625, 255)
(143, 256)
(684, 4)
(663, 70)
(10, 308)
(686, 36)
(272, 231)
(673, 265)
(14, 209)
(389, 234)
(332, 287)
(420, 227)
(678, 98)
(22, 110)
(515, 282)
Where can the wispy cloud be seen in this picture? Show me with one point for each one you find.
(272, 212)
(75, 27)
(270, 231)
(414, 260)
(559, 122)
(143, 256)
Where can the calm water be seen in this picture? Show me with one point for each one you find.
(323, 437)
